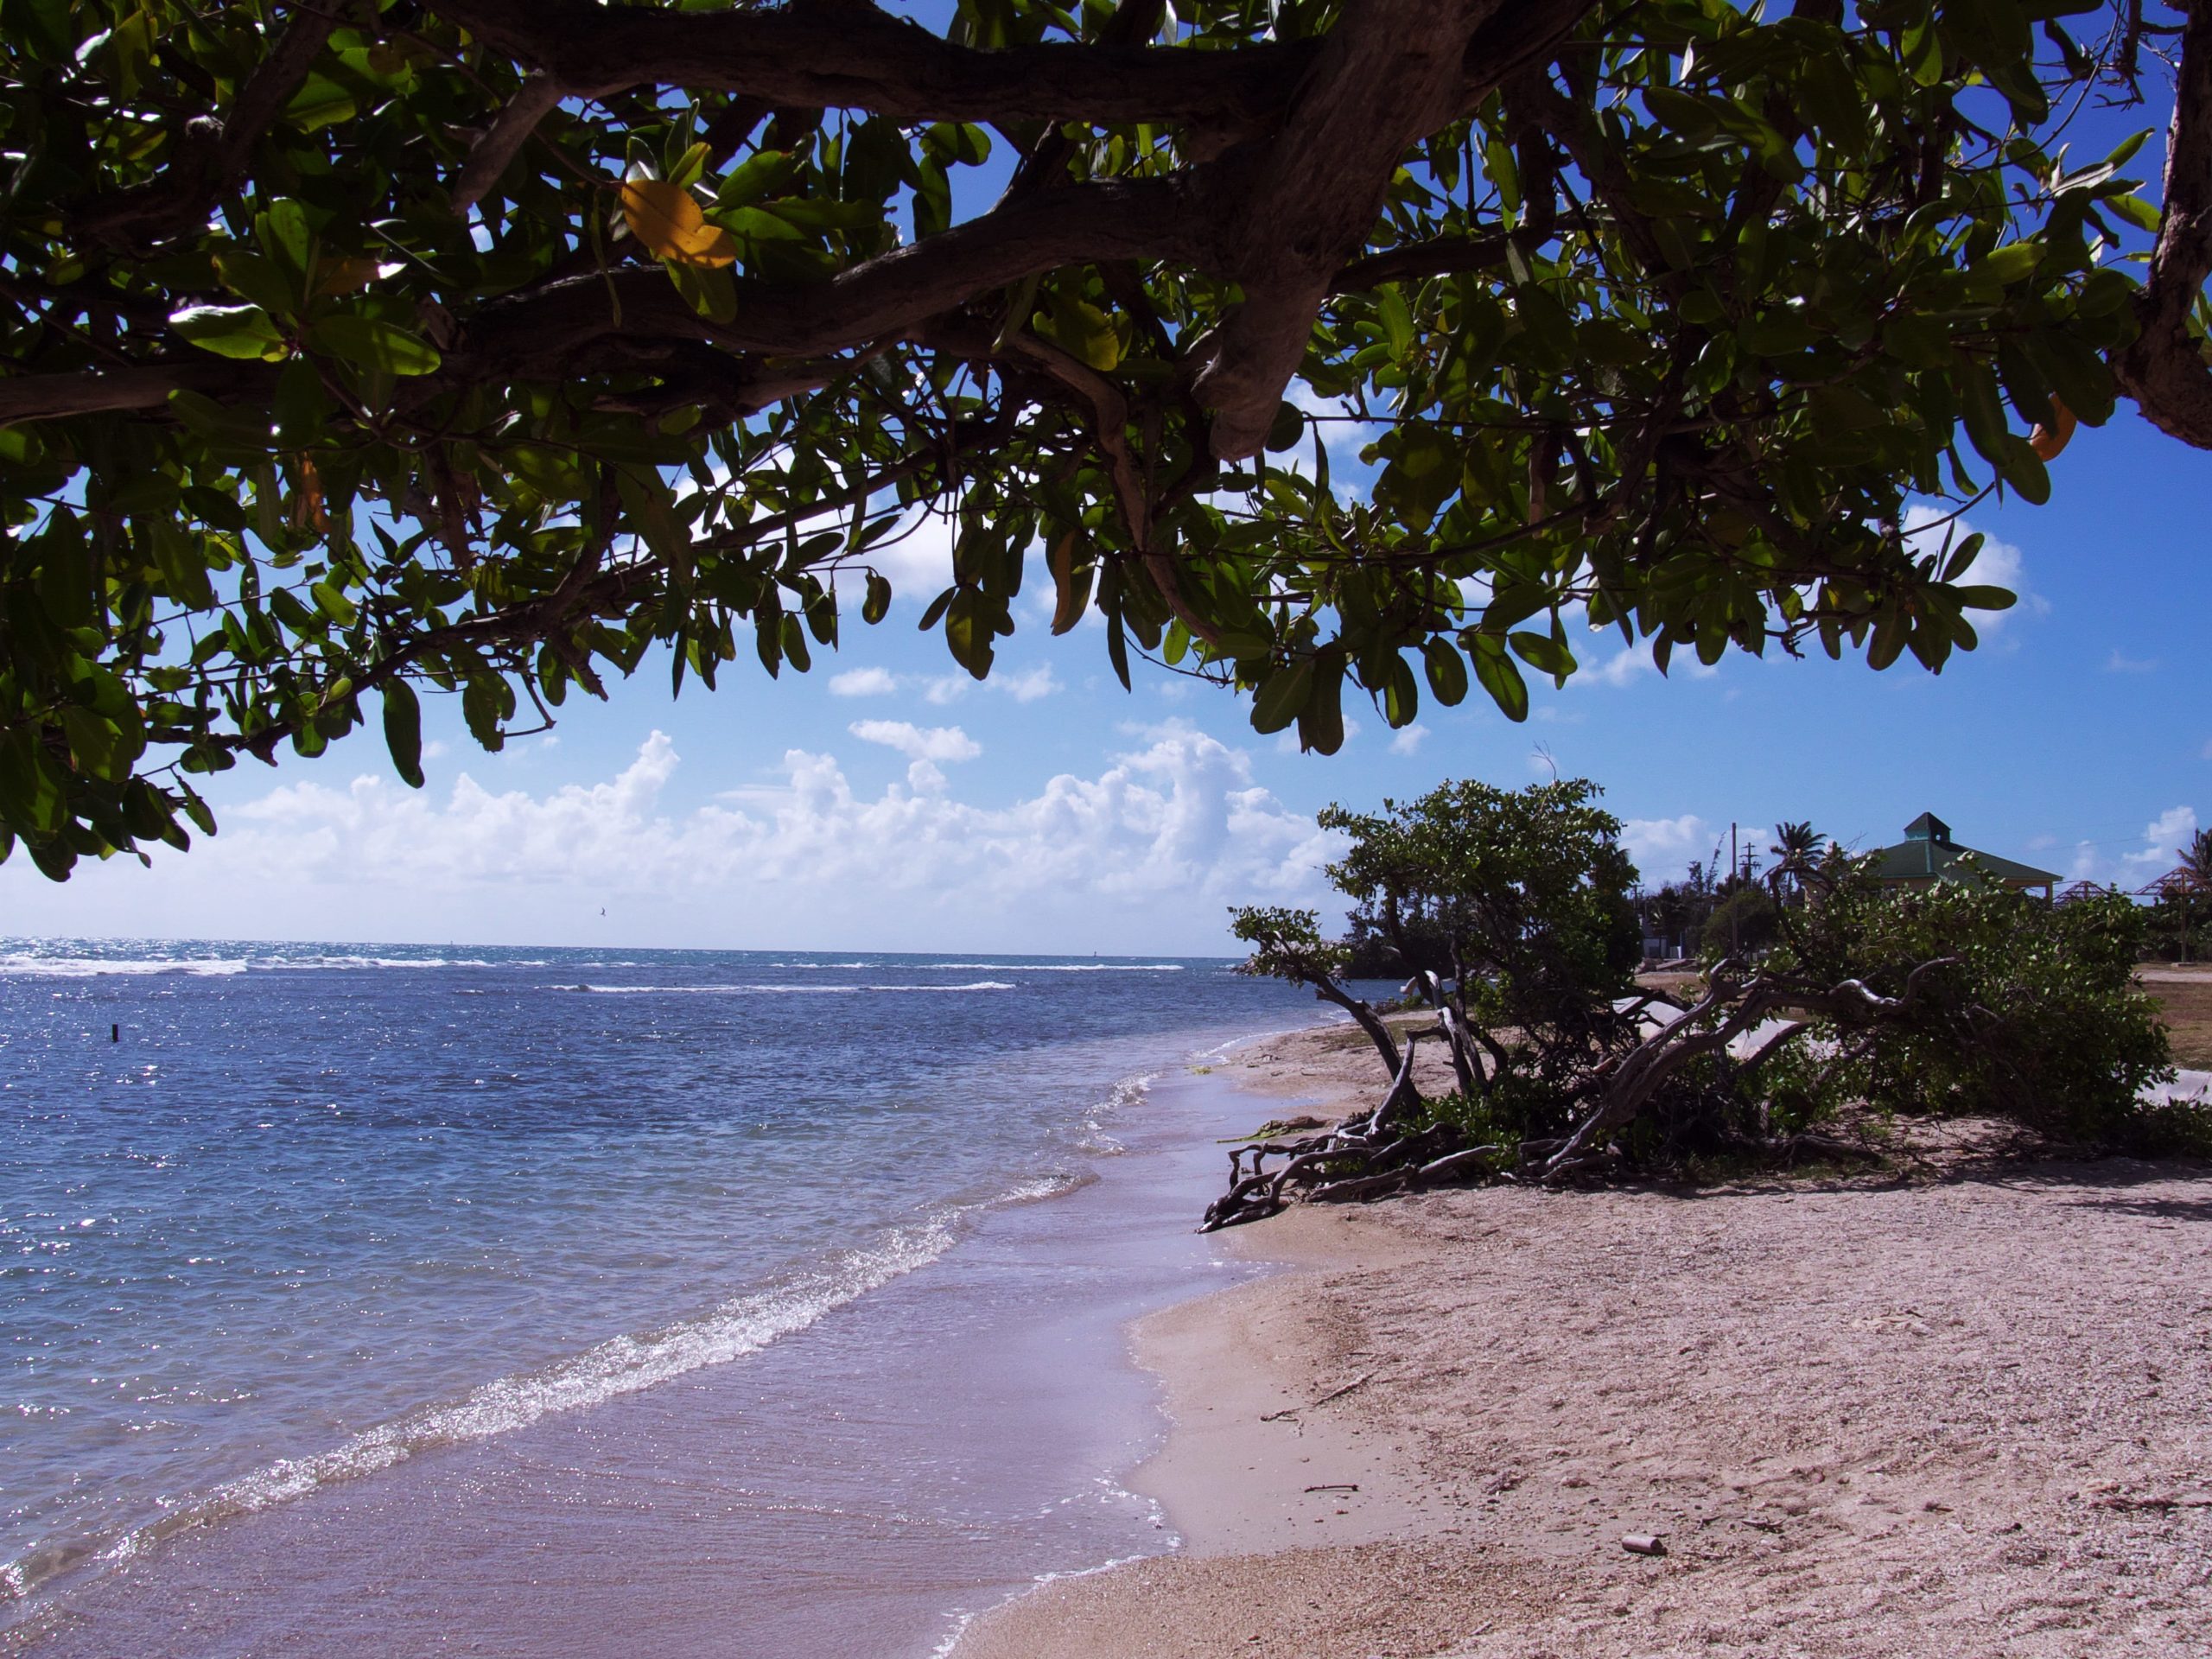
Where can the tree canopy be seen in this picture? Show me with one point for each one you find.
(488, 347)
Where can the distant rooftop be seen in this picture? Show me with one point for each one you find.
(1928, 853)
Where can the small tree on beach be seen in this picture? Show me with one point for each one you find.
(1524, 893)
(1510, 907)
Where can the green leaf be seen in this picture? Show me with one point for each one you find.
(282, 228)
(710, 290)
(1322, 722)
(257, 279)
(197, 809)
(369, 343)
(239, 331)
(2136, 211)
(1985, 598)
(1448, 672)
(1288, 426)
(1982, 411)
(304, 409)
(1544, 653)
(877, 605)
(759, 174)
(331, 600)
(101, 748)
(1082, 330)
(1396, 318)
(403, 735)
(1500, 677)
(2013, 263)
(1282, 696)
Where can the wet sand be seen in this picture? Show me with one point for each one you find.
(1964, 1414)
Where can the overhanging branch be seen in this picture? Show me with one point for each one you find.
(854, 56)
(2164, 369)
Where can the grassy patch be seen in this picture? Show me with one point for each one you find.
(2185, 1006)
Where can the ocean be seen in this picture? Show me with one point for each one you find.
(372, 1299)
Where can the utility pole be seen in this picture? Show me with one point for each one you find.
(1735, 910)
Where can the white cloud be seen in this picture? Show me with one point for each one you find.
(863, 682)
(1144, 855)
(1662, 847)
(2120, 663)
(1023, 685)
(2163, 837)
(1630, 663)
(930, 743)
(1027, 685)
(1408, 742)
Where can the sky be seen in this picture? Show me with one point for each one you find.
(885, 801)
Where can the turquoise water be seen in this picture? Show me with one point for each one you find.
(323, 1212)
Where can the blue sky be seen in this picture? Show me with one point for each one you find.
(884, 801)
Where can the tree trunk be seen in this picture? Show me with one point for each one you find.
(1370, 1022)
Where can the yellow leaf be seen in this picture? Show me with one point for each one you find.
(667, 222)
(345, 275)
(1083, 331)
(2047, 442)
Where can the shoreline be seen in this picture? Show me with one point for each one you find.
(1869, 1416)
(917, 1453)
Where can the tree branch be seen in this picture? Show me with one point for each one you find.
(2164, 369)
(568, 326)
(211, 156)
(508, 133)
(1388, 74)
(854, 56)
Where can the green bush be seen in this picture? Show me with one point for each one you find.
(2015, 1008)
(1743, 924)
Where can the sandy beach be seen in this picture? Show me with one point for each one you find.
(1959, 1412)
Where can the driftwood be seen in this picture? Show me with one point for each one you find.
(1388, 1150)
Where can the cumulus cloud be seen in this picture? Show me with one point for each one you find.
(1022, 684)
(2163, 837)
(863, 682)
(917, 743)
(1028, 684)
(1409, 740)
(1145, 854)
(1662, 847)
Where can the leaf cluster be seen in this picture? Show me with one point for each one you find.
(345, 365)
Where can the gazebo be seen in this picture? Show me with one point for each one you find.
(1927, 854)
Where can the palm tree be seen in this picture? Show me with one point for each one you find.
(2192, 875)
(2195, 866)
(1797, 844)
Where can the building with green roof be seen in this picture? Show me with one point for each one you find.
(1928, 854)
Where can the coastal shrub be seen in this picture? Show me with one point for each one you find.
(1511, 906)
(1515, 901)
(1746, 922)
(2013, 1008)
(1963, 998)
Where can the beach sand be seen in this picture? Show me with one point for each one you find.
(1964, 1415)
